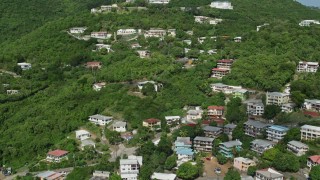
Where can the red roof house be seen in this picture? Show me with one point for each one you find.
(151, 122)
(313, 161)
(216, 111)
(57, 155)
(94, 64)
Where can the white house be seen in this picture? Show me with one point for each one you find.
(143, 53)
(82, 134)
(158, 1)
(155, 32)
(24, 65)
(77, 30)
(124, 32)
(297, 147)
(163, 176)
(100, 119)
(57, 156)
(87, 142)
(312, 104)
(101, 174)
(98, 86)
(308, 22)
(103, 46)
(157, 86)
(194, 114)
(100, 35)
(129, 168)
(309, 132)
(309, 67)
(12, 91)
(268, 174)
(172, 120)
(221, 5)
(119, 126)
(287, 107)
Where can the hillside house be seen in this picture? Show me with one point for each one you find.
(155, 32)
(225, 63)
(125, 32)
(93, 65)
(182, 142)
(228, 128)
(260, 146)
(212, 132)
(215, 111)
(237, 39)
(242, 164)
(24, 66)
(255, 108)
(98, 86)
(119, 126)
(226, 148)
(207, 20)
(194, 114)
(158, 1)
(309, 132)
(144, 53)
(135, 46)
(86, 143)
(100, 119)
(12, 91)
(219, 73)
(184, 155)
(82, 134)
(57, 156)
(50, 175)
(100, 175)
(308, 22)
(163, 176)
(309, 67)
(313, 161)
(100, 35)
(312, 104)
(172, 32)
(152, 123)
(240, 93)
(277, 98)
(287, 107)
(226, 89)
(276, 133)
(99, 47)
(108, 8)
(254, 128)
(297, 147)
(221, 5)
(203, 144)
(268, 174)
(172, 120)
(156, 86)
(77, 30)
(129, 168)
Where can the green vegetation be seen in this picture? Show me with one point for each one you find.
(315, 173)
(188, 171)
(232, 175)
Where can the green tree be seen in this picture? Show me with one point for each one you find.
(171, 162)
(165, 145)
(270, 154)
(221, 159)
(298, 98)
(232, 175)
(292, 134)
(270, 111)
(115, 177)
(187, 171)
(148, 89)
(286, 162)
(252, 170)
(315, 173)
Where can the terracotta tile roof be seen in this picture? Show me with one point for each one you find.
(219, 69)
(312, 114)
(93, 63)
(226, 60)
(58, 153)
(215, 108)
(152, 120)
(315, 159)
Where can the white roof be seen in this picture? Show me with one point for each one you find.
(128, 175)
(171, 117)
(101, 117)
(163, 176)
(316, 128)
(132, 159)
(119, 124)
(81, 132)
(242, 159)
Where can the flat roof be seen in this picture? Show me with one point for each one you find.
(278, 128)
(297, 144)
(199, 138)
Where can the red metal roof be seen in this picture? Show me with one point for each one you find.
(152, 120)
(219, 69)
(93, 63)
(315, 159)
(216, 107)
(312, 114)
(58, 153)
(226, 60)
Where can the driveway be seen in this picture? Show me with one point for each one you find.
(210, 165)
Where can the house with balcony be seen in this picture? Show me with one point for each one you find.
(308, 67)
(87, 143)
(277, 98)
(268, 174)
(219, 72)
(242, 164)
(312, 105)
(125, 32)
(225, 63)
(228, 128)
(221, 5)
(172, 120)
(215, 111)
(194, 114)
(82, 134)
(309, 132)
(227, 148)
(100, 119)
(287, 107)
(313, 161)
(144, 53)
(119, 126)
(254, 128)
(260, 145)
(152, 123)
(155, 32)
(297, 147)
(184, 155)
(57, 156)
(129, 168)
(212, 132)
(255, 108)
(77, 30)
(276, 133)
(203, 144)
(100, 35)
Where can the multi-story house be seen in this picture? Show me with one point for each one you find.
(308, 22)
(124, 32)
(100, 35)
(119, 126)
(158, 1)
(129, 168)
(311, 67)
(184, 155)
(203, 143)
(221, 5)
(182, 142)
(260, 146)
(287, 107)
(215, 111)
(77, 30)
(277, 98)
(152, 123)
(155, 32)
(212, 132)
(276, 133)
(268, 174)
(219, 72)
(309, 132)
(242, 164)
(225, 63)
(82, 135)
(172, 120)
(57, 156)
(228, 128)
(312, 104)
(227, 148)
(297, 147)
(194, 114)
(313, 161)
(254, 128)
(255, 108)
(100, 119)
